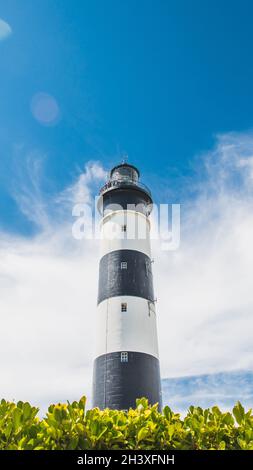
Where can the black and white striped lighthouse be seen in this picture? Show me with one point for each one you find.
(127, 364)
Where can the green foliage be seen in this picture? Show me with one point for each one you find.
(69, 426)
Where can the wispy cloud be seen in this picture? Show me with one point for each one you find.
(5, 29)
(205, 288)
(27, 190)
(223, 389)
(48, 282)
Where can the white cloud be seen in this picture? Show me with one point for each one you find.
(48, 283)
(204, 289)
(5, 29)
(48, 291)
(223, 389)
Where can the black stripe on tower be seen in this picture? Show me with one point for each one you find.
(117, 384)
(131, 198)
(135, 280)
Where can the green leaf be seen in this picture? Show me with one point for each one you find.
(216, 411)
(73, 443)
(228, 419)
(27, 410)
(57, 414)
(171, 430)
(17, 417)
(167, 412)
(242, 443)
(238, 412)
(8, 430)
(21, 443)
(82, 403)
(142, 434)
(222, 445)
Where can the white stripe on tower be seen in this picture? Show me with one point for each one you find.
(127, 364)
(136, 238)
(133, 330)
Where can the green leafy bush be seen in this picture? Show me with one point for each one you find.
(69, 426)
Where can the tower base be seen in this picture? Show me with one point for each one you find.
(118, 381)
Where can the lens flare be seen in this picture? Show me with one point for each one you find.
(45, 109)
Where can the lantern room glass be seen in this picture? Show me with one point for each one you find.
(125, 173)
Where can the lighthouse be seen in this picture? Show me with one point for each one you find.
(126, 366)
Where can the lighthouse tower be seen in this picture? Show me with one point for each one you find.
(127, 364)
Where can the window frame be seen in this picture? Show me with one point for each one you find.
(123, 307)
(124, 356)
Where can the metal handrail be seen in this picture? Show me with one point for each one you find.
(121, 182)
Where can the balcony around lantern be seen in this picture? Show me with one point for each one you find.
(124, 176)
(123, 183)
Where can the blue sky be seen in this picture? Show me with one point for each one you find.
(82, 83)
(155, 79)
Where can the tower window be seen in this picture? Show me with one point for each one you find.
(123, 265)
(124, 357)
(124, 307)
(123, 228)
